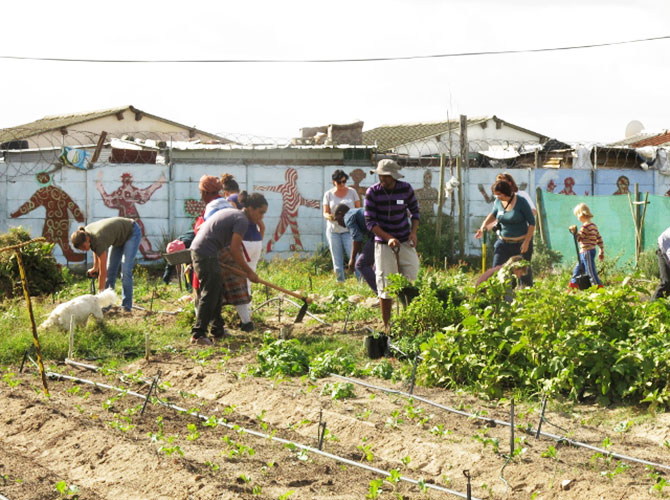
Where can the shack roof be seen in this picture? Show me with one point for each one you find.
(388, 137)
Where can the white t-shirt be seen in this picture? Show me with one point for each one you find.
(527, 197)
(332, 201)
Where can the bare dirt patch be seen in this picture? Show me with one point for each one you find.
(98, 441)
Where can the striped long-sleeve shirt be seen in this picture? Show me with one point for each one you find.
(390, 209)
(588, 237)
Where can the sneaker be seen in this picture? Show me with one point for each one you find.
(247, 327)
(201, 340)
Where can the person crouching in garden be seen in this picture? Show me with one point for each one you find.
(363, 249)
(219, 241)
(121, 237)
(515, 220)
(588, 238)
(389, 205)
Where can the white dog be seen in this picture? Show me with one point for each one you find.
(80, 308)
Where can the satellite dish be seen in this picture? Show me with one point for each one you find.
(634, 128)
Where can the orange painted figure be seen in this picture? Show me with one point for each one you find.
(124, 199)
(291, 200)
(58, 206)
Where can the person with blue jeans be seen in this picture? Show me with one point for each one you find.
(118, 236)
(514, 219)
(363, 251)
(339, 238)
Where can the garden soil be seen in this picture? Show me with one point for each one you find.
(86, 437)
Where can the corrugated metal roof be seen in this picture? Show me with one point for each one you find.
(388, 137)
(56, 122)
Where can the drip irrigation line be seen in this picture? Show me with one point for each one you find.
(560, 439)
(242, 430)
(3, 497)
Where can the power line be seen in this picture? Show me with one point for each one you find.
(365, 59)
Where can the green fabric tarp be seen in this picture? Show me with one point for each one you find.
(613, 217)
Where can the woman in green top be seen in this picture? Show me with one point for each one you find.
(121, 237)
(516, 225)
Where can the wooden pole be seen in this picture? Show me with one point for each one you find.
(461, 220)
(440, 200)
(637, 224)
(461, 203)
(540, 214)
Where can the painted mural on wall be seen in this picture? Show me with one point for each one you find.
(620, 182)
(357, 175)
(124, 199)
(291, 201)
(570, 182)
(622, 185)
(427, 195)
(58, 205)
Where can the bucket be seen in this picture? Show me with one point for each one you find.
(375, 346)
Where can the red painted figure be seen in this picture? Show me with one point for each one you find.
(124, 199)
(291, 200)
(58, 206)
(568, 184)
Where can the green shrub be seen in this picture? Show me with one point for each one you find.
(604, 343)
(335, 361)
(544, 258)
(647, 264)
(43, 273)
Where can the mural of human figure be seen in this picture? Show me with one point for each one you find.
(622, 184)
(551, 185)
(58, 206)
(291, 200)
(124, 199)
(427, 195)
(568, 184)
(357, 175)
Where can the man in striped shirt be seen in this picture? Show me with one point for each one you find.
(389, 205)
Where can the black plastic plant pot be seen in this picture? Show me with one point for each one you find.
(376, 345)
(407, 294)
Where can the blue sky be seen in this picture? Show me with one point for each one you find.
(576, 95)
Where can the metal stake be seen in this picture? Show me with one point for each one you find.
(539, 425)
(321, 430)
(413, 378)
(281, 299)
(466, 473)
(346, 318)
(151, 388)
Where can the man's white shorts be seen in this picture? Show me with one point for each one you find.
(385, 264)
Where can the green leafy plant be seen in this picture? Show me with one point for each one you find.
(66, 491)
(281, 357)
(339, 390)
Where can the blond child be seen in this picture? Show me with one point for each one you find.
(588, 238)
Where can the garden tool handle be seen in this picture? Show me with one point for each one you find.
(239, 272)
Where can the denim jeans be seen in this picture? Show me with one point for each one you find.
(586, 264)
(340, 246)
(503, 251)
(365, 262)
(210, 301)
(124, 254)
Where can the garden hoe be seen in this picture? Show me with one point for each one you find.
(305, 300)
